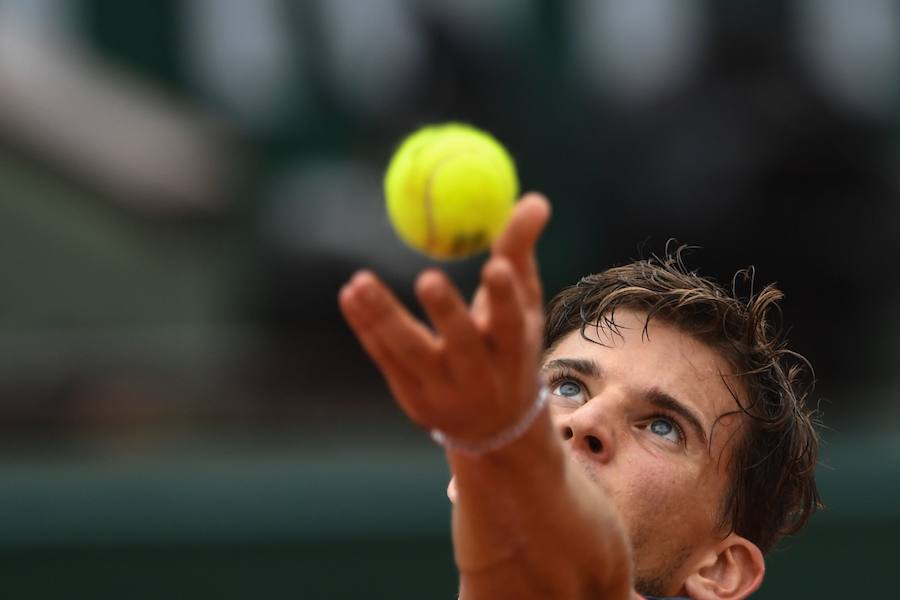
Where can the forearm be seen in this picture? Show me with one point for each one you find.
(528, 524)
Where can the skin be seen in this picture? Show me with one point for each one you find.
(648, 458)
(546, 516)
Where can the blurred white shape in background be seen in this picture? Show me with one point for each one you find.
(240, 55)
(113, 131)
(331, 212)
(374, 53)
(853, 51)
(322, 206)
(59, 17)
(635, 50)
(334, 210)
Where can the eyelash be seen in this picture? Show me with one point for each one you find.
(562, 375)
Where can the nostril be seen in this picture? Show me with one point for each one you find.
(594, 444)
(567, 433)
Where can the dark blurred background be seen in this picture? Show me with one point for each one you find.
(184, 185)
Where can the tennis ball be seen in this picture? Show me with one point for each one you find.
(450, 190)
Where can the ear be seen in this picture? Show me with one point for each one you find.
(732, 572)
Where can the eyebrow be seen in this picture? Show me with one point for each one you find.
(661, 399)
(654, 396)
(585, 367)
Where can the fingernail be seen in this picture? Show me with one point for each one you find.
(359, 277)
(350, 298)
(430, 285)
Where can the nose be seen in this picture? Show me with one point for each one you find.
(589, 433)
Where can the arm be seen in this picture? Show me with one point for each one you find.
(525, 524)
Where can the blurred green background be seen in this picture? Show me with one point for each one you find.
(184, 185)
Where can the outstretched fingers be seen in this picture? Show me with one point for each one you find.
(403, 349)
(506, 325)
(518, 241)
(463, 346)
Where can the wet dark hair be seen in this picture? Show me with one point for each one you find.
(773, 491)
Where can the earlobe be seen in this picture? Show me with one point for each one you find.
(733, 573)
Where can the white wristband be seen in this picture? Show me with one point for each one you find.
(507, 436)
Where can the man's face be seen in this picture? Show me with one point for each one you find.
(636, 412)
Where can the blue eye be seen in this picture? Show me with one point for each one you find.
(568, 389)
(666, 428)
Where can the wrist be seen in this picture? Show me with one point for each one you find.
(477, 448)
(528, 463)
(499, 496)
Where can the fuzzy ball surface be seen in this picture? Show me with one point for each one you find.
(450, 189)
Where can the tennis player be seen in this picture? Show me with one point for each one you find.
(647, 438)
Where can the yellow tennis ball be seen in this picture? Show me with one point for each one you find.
(450, 190)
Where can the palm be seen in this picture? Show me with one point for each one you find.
(474, 374)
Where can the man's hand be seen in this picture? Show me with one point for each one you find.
(525, 525)
(475, 374)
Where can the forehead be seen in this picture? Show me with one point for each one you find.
(640, 355)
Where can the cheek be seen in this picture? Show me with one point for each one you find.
(656, 493)
(648, 480)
